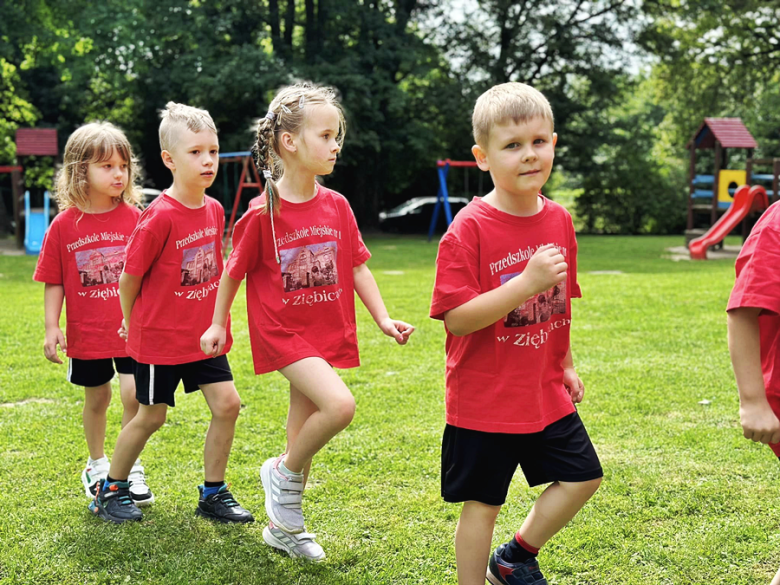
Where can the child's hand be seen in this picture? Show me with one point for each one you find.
(759, 422)
(54, 337)
(122, 331)
(574, 385)
(213, 341)
(398, 330)
(546, 268)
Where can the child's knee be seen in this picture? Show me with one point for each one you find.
(97, 399)
(151, 419)
(343, 410)
(227, 407)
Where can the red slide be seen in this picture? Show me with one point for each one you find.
(746, 199)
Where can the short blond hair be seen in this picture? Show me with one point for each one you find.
(177, 116)
(92, 143)
(516, 101)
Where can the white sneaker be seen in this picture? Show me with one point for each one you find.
(139, 491)
(298, 546)
(283, 496)
(95, 471)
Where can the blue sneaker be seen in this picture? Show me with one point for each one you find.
(502, 573)
(115, 504)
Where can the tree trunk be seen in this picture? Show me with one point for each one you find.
(311, 32)
(276, 31)
(289, 24)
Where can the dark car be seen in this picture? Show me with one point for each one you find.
(414, 216)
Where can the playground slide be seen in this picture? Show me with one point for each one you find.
(746, 199)
(36, 222)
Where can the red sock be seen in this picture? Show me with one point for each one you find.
(518, 550)
(534, 551)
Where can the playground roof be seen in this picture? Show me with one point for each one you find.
(36, 142)
(730, 132)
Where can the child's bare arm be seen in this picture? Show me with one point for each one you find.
(368, 291)
(571, 380)
(545, 269)
(213, 341)
(129, 287)
(53, 295)
(759, 422)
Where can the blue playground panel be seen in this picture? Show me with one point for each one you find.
(36, 222)
(709, 179)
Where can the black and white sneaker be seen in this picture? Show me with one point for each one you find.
(139, 491)
(222, 507)
(95, 471)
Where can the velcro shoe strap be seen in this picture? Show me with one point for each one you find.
(292, 486)
(287, 499)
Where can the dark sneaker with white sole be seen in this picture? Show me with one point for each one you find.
(114, 503)
(222, 507)
(502, 573)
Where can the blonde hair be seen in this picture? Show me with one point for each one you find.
(517, 101)
(177, 116)
(95, 142)
(287, 113)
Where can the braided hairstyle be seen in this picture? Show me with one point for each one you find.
(287, 113)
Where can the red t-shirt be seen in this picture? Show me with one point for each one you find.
(178, 251)
(304, 307)
(85, 253)
(508, 377)
(758, 285)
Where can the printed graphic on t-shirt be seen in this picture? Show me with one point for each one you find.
(198, 265)
(309, 266)
(100, 265)
(539, 308)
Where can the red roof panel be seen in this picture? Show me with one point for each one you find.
(730, 132)
(36, 142)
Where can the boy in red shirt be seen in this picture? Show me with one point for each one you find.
(505, 274)
(754, 333)
(167, 292)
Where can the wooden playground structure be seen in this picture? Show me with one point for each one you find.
(722, 192)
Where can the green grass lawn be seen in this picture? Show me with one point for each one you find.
(685, 498)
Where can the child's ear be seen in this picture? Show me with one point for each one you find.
(168, 160)
(555, 139)
(481, 157)
(287, 141)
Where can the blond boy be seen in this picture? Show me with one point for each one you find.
(506, 272)
(167, 292)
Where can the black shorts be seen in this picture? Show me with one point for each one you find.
(479, 466)
(157, 384)
(91, 373)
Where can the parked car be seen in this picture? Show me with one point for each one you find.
(414, 216)
(149, 195)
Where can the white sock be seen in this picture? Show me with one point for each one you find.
(285, 471)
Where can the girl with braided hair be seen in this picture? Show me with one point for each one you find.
(302, 254)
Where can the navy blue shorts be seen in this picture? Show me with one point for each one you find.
(157, 384)
(91, 373)
(479, 466)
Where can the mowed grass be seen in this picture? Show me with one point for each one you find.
(685, 499)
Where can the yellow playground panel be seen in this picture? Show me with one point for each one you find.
(728, 177)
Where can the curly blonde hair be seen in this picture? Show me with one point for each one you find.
(287, 113)
(95, 142)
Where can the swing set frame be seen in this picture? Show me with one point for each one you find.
(443, 195)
